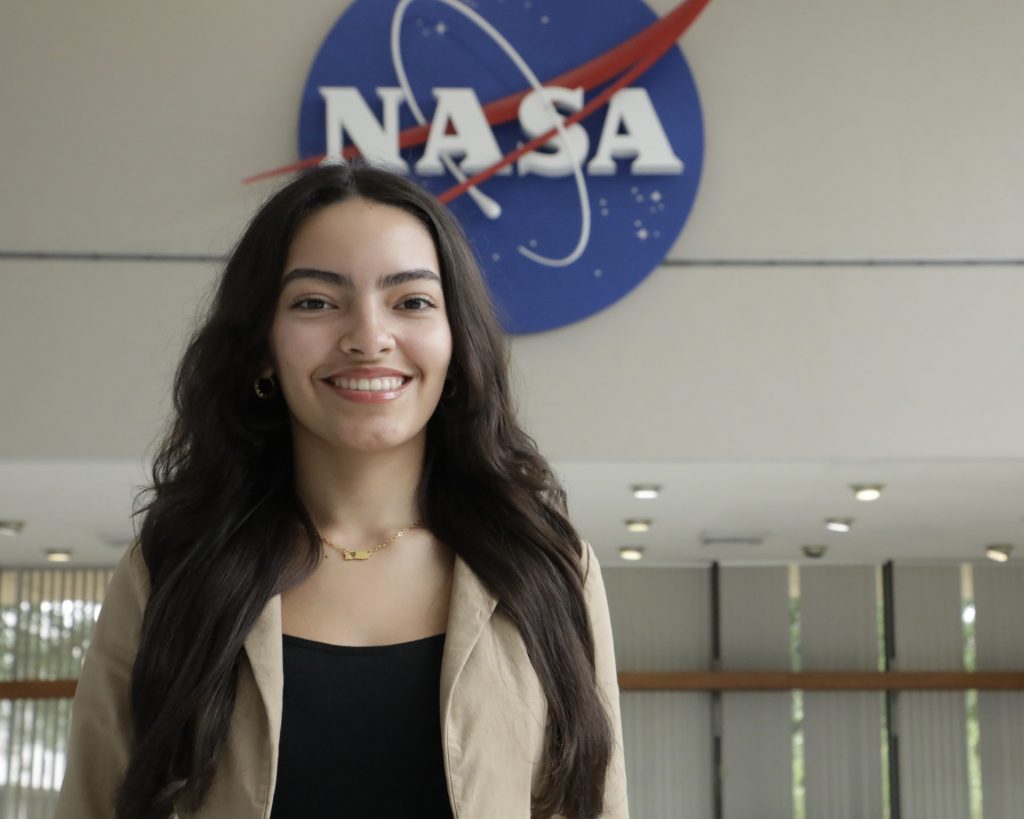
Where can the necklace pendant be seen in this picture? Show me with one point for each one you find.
(350, 554)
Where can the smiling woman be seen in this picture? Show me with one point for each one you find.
(355, 590)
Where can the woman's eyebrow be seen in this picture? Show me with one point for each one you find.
(345, 281)
(395, 279)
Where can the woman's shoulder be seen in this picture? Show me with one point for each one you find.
(590, 564)
(130, 582)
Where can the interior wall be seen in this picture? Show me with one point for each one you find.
(838, 135)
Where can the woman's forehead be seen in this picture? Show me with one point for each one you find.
(359, 237)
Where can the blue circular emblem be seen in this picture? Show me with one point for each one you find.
(558, 239)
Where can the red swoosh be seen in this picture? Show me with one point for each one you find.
(638, 53)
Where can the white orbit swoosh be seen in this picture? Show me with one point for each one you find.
(487, 205)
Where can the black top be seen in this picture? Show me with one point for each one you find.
(361, 732)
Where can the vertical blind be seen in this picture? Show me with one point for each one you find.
(999, 635)
(660, 624)
(932, 724)
(756, 776)
(48, 618)
(662, 621)
(842, 730)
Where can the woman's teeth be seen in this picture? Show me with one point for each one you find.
(368, 384)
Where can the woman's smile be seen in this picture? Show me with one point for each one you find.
(368, 386)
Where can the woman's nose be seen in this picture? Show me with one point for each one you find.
(367, 332)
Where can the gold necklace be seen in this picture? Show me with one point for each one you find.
(364, 554)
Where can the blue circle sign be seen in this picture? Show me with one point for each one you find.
(446, 89)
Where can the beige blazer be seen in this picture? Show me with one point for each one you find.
(492, 708)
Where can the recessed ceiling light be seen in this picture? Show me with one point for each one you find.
(58, 555)
(999, 552)
(645, 491)
(11, 527)
(631, 552)
(867, 491)
(839, 524)
(815, 550)
(638, 525)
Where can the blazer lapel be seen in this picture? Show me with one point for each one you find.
(263, 646)
(471, 607)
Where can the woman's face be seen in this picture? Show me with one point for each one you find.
(360, 343)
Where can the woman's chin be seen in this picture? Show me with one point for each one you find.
(383, 442)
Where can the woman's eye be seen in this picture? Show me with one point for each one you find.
(416, 303)
(316, 304)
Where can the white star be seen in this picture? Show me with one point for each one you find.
(440, 28)
(641, 234)
(656, 196)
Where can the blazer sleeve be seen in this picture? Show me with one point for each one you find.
(616, 805)
(101, 735)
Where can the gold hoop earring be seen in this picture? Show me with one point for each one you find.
(266, 388)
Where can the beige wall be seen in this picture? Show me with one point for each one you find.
(834, 130)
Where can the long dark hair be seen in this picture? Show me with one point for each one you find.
(222, 508)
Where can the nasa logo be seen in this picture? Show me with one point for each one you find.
(574, 192)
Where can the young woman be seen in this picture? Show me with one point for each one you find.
(355, 592)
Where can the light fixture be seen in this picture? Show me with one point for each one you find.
(117, 539)
(733, 537)
(58, 555)
(638, 525)
(11, 527)
(815, 551)
(645, 491)
(631, 552)
(839, 524)
(999, 552)
(867, 491)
